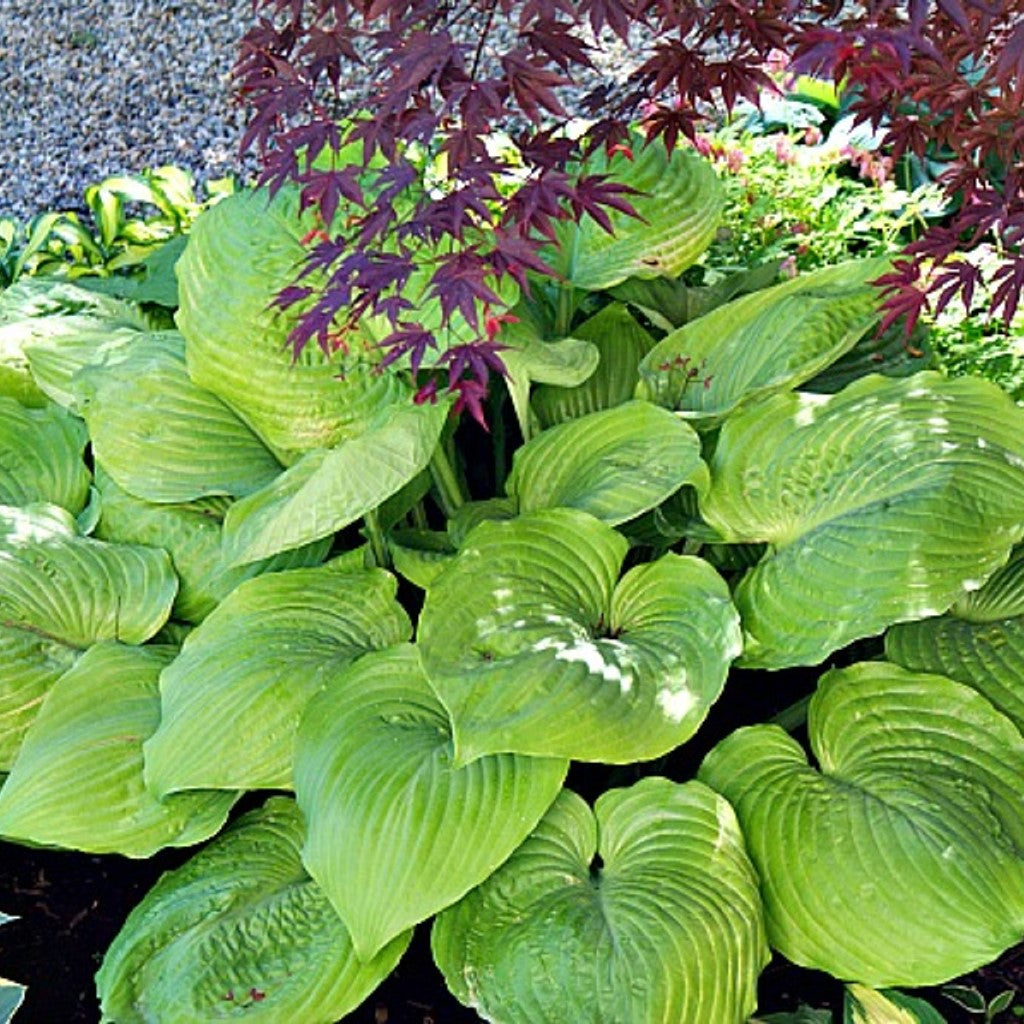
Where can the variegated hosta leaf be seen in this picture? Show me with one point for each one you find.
(900, 862)
(614, 464)
(162, 438)
(233, 698)
(239, 931)
(36, 298)
(668, 931)
(620, 343)
(881, 504)
(534, 648)
(679, 202)
(59, 593)
(41, 457)
(241, 254)
(77, 780)
(328, 489)
(979, 642)
(397, 832)
(191, 534)
(772, 340)
(863, 1005)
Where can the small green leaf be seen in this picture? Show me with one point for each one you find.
(239, 930)
(615, 464)
(669, 928)
(375, 780)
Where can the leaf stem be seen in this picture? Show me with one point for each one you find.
(378, 544)
(445, 482)
(795, 716)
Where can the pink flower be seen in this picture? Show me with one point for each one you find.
(812, 135)
(734, 160)
(784, 151)
(777, 61)
(788, 267)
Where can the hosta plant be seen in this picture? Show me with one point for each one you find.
(470, 665)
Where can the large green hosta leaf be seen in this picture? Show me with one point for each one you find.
(900, 862)
(772, 340)
(239, 931)
(77, 780)
(668, 930)
(41, 457)
(60, 593)
(240, 254)
(620, 343)
(980, 642)
(679, 207)
(534, 648)
(883, 503)
(328, 489)
(614, 464)
(161, 437)
(191, 534)
(396, 831)
(233, 698)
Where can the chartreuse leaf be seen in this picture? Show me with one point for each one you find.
(383, 801)
(979, 642)
(772, 340)
(899, 863)
(420, 556)
(679, 200)
(534, 648)
(233, 698)
(191, 534)
(529, 359)
(328, 489)
(883, 503)
(77, 780)
(614, 464)
(863, 1005)
(41, 457)
(60, 593)
(241, 253)
(668, 929)
(239, 931)
(620, 343)
(162, 438)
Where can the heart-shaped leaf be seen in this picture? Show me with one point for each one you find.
(614, 464)
(534, 649)
(883, 503)
(77, 780)
(239, 931)
(772, 340)
(396, 832)
(900, 862)
(233, 698)
(669, 928)
(41, 457)
(160, 436)
(328, 489)
(60, 593)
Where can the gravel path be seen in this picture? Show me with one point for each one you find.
(92, 88)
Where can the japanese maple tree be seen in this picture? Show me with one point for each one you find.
(435, 78)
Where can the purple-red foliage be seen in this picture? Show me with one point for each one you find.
(943, 78)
